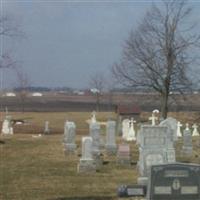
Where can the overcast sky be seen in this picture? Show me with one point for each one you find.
(67, 41)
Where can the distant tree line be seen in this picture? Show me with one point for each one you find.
(43, 89)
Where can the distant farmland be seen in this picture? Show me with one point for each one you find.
(72, 103)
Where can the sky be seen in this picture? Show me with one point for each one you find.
(66, 42)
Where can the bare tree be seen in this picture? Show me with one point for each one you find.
(159, 54)
(8, 28)
(97, 84)
(23, 82)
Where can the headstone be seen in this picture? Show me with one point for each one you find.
(46, 128)
(125, 128)
(131, 133)
(7, 128)
(187, 148)
(87, 163)
(132, 191)
(93, 118)
(96, 144)
(155, 147)
(171, 123)
(111, 146)
(153, 118)
(123, 154)
(178, 133)
(195, 130)
(187, 127)
(174, 181)
(69, 137)
(95, 134)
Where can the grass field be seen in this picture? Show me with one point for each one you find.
(37, 168)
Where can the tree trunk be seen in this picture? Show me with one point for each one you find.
(97, 102)
(164, 105)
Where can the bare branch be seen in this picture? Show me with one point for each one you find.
(158, 54)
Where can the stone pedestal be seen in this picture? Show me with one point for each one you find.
(142, 181)
(86, 166)
(69, 148)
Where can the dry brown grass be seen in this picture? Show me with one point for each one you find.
(37, 169)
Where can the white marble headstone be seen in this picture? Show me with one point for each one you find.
(195, 130)
(7, 128)
(131, 133)
(178, 133)
(125, 128)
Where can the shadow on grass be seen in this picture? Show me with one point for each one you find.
(2, 142)
(84, 198)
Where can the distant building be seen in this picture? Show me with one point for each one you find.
(128, 111)
(10, 94)
(37, 94)
(94, 90)
(78, 92)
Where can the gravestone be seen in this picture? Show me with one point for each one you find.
(93, 118)
(153, 119)
(96, 144)
(131, 133)
(123, 154)
(95, 134)
(179, 133)
(174, 182)
(111, 146)
(87, 163)
(155, 147)
(69, 137)
(195, 130)
(187, 127)
(125, 128)
(131, 191)
(187, 148)
(171, 123)
(46, 128)
(7, 128)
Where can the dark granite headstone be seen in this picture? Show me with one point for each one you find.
(174, 182)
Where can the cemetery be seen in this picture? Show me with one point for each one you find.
(99, 100)
(82, 156)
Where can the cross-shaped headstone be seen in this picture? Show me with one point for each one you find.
(179, 125)
(187, 128)
(132, 121)
(153, 119)
(93, 118)
(195, 130)
(131, 133)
